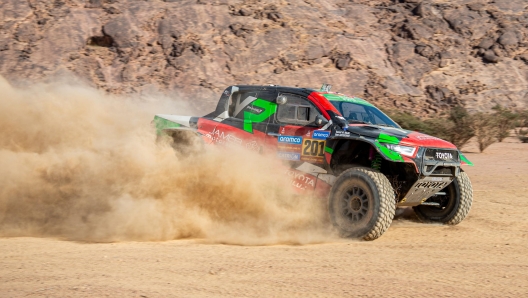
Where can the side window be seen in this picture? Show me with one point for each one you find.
(243, 101)
(355, 112)
(375, 119)
(232, 104)
(239, 101)
(297, 110)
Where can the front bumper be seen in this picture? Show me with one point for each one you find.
(438, 167)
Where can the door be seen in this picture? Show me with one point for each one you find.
(293, 133)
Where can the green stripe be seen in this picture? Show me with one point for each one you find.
(249, 117)
(464, 159)
(385, 138)
(329, 150)
(162, 124)
(392, 155)
(339, 97)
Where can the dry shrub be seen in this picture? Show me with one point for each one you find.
(521, 126)
(455, 128)
(485, 128)
(463, 130)
(505, 120)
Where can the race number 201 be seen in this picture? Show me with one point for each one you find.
(313, 148)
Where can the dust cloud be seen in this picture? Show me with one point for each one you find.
(78, 164)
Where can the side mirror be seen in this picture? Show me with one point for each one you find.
(320, 121)
(342, 122)
(281, 99)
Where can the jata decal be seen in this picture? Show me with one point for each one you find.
(290, 140)
(289, 155)
(320, 134)
(221, 137)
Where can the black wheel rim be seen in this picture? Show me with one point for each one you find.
(446, 202)
(355, 204)
(442, 200)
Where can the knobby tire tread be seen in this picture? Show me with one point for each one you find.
(386, 200)
(466, 199)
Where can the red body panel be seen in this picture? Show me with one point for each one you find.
(323, 104)
(419, 139)
(217, 133)
(302, 182)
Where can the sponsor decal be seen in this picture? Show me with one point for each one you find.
(320, 134)
(438, 185)
(288, 147)
(313, 150)
(423, 137)
(254, 109)
(289, 155)
(444, 155)
(283, 130)
(290, 140)
(221, 137)
(300, 180)
(252, 146)
(340, 133)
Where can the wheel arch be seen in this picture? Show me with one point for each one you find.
(360, 151)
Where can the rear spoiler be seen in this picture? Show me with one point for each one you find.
(173, 122)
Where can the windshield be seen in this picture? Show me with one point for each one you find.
(358, 113)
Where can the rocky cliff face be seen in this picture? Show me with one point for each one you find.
(416, 55)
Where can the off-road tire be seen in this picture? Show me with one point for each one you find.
(375, 201)
(455, 206)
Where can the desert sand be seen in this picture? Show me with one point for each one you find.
(484, 256)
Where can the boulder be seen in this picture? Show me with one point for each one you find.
(387, 51)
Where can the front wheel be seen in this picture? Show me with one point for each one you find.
(361, 203)
(453, 204)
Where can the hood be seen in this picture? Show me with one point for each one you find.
(419, 139)
(406, 137)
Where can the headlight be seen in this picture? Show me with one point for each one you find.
(403, 150)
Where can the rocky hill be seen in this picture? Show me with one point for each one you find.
(416, 55)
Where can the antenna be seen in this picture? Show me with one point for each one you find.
(325, 88)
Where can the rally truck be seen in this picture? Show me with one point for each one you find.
(342, 149)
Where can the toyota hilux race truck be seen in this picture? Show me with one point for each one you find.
(340, 148)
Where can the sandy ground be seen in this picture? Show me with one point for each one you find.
(485, 256)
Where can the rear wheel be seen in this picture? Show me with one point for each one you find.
(453, 206)
(361, 203)
(186, 142)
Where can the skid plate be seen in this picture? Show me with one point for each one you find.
(423, 189)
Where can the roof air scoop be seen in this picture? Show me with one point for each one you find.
(326, 88)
